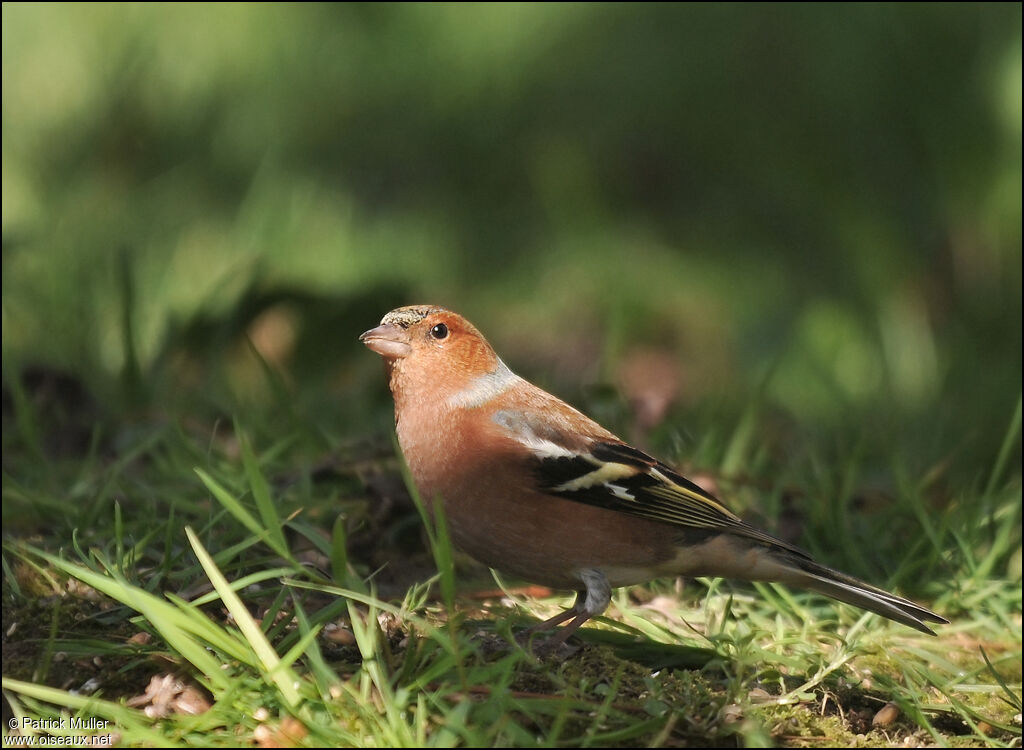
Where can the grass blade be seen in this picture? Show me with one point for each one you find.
(282, 676)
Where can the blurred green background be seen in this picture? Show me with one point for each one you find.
(812, 208)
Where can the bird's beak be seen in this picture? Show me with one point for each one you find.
(390, 342)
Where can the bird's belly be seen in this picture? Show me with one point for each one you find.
(496, 515)
(550, 541)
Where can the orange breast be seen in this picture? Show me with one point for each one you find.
(496, 515)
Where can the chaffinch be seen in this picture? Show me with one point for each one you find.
(536, 489)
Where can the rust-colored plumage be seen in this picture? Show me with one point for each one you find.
(538, 490)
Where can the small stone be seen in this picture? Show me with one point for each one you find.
(338, 634)
(886, 715)
(731, 714)
(141, 638)
(191, 701)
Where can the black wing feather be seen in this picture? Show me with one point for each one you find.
(621, 478)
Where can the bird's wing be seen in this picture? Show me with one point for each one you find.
(619, 477)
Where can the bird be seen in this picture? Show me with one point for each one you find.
(532, 487)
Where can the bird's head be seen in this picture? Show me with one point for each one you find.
(429, 345)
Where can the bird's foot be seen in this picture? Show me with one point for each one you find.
(547, 647)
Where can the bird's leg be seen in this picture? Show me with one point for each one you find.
(565, 633)
(589, 603)
(561, 617)
(577, 613)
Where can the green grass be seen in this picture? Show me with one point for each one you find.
(815, 248)
(238, 555)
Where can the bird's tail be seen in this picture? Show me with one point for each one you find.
(808, 574)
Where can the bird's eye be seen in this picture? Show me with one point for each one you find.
(440, 331)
